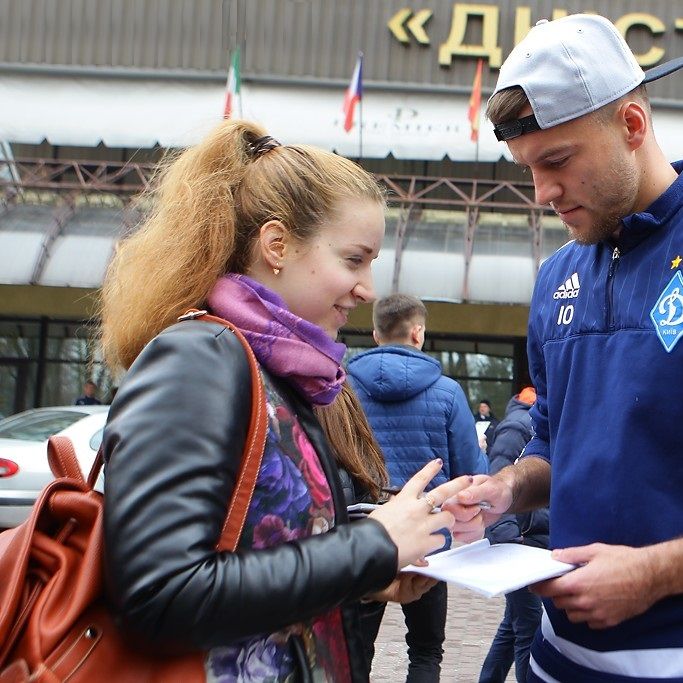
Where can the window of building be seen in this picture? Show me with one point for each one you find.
(46, 363)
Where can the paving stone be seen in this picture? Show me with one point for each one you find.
(470, 626)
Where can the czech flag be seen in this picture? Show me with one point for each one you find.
(353, 93)
(475, 103)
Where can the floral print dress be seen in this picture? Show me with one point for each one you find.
(292, 500)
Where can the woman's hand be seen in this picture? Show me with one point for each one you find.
(406, 587)
(410, 519)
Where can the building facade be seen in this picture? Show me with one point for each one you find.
(93, 92)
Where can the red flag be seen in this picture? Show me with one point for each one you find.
(475, 102)
(353, 93)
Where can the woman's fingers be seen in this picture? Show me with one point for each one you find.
(416, 485)
(411, 520)
(441, 520)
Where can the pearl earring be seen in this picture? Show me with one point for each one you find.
(276, 270)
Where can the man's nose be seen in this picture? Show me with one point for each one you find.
(547, 188)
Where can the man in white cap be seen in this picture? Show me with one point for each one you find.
(605, 321)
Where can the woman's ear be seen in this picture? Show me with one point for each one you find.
(272, 243)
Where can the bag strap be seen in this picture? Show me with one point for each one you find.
(62, 459)
(64, 463)
(253, 446)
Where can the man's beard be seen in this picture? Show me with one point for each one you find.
(604, 229)
(617, 197)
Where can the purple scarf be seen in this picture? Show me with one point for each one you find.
(288, 346)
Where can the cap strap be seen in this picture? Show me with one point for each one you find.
(513, 129)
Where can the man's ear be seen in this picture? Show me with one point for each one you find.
(272, 242)
(417, 335)
(375, 337)
(634, 120)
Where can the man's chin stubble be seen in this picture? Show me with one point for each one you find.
(596, 233)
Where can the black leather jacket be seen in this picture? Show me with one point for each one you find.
(172, 445)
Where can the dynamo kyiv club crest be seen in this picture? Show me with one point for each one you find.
(667, 313)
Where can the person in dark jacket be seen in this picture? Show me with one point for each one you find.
(523, 608)
(484, 413)
(416, 414)
(278, 239)
(88, 398)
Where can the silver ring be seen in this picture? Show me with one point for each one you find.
(429, 499)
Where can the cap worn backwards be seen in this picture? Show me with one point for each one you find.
(570, 67)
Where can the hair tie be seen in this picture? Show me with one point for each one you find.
(262, 145)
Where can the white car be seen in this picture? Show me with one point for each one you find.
(24, 469)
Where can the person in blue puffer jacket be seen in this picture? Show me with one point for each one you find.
(417, 414)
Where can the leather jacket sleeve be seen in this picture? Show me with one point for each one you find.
(173, 444)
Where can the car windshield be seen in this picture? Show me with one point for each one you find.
(37, 427)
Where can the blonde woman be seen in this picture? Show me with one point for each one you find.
(279, 240)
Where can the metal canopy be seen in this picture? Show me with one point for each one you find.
(449, 239)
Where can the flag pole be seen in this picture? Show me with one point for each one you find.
(239, 77)
(242, 44)
(360, 112)
(360, 130)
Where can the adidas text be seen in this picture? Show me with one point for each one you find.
(569, 289)
(572, 294)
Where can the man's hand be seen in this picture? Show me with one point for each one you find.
(517, 488)
(470, 518)
(612, 584)
(406, 587)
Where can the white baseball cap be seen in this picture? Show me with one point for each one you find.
(570, 67)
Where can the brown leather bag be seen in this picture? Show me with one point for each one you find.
(54, 623)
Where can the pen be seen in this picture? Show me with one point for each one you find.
(393, 490)
(483, 505)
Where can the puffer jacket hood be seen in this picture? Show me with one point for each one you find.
(517, 409)
(394, 373)
(416, 413)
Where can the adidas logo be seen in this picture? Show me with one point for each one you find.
(569, 289)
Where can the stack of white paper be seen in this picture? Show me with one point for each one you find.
(492, 569)
(481, 426)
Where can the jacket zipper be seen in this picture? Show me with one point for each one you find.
(610, 286)
(301, 658)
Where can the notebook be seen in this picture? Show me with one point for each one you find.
(492, 569)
